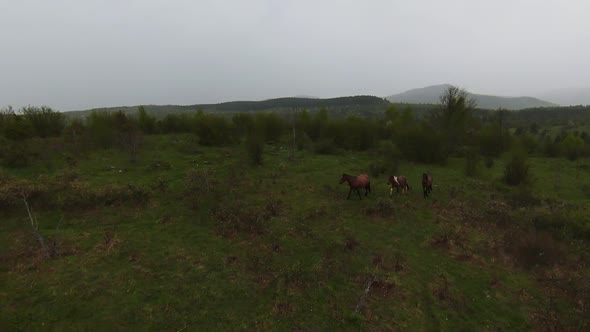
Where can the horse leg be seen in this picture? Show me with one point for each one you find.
(349, 192)
(358, 191)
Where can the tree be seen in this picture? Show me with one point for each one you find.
(454, 117)
(147, 124)
(572, 146)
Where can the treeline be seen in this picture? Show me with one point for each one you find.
(453, 128)
(549, 116)
(364, 104)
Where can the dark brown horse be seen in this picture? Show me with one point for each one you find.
(398, 182)
(426, 184)
(356, 183)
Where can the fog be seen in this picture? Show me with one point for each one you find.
(82, 54)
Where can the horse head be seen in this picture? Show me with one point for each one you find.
(344, 178)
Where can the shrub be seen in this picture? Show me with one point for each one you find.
(147, 124)
(472, 161)
(303, 141)
(101, 129)
(270, 126)
(551, 149)
(517, 170)
(573, 146)
(44, 121)
(390, 156)
(255, 149)
(239, 217)
(325, 146)
(212, 130)
(377, 168)
(14, 155)
(422, 144)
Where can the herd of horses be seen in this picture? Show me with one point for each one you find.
(398, 183)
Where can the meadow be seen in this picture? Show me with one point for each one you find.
(194, 237)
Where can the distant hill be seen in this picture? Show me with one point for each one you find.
(431, 95)
(347, 104)
(568, 96)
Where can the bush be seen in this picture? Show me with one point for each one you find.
(517, 169)
(101, 129)
(303, 141)
(376, 169)
(239, 217)
(44, 121)
(325, 146)
(255, 149)
(472, 161)
(551, 149)
(422, 144)
(493, 140)
(573, 146)
(14, 155)
(212, 130)
(391, 155)
(270, 126)
(147, 124)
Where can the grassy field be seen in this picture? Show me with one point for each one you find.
(194, 238)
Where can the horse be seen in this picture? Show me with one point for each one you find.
(426, 184)
(356, 183)
(398, 182)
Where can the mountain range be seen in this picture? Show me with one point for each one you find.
(431, 95)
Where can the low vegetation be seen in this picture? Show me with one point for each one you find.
(217, 222)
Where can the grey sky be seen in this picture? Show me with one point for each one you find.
(75, 54)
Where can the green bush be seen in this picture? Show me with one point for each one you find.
(377, 168)
(255, 149)
(44, 121)
(325, 146)
(472, 162)
(572, 146)
(15, 155)
(517, 169)
(422, 144)
(101, 129)
(551, 149)
(212, 130)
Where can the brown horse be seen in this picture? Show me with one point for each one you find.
(426, 184)
(356, 183)
(398, 182)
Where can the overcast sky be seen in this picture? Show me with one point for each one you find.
(74, 54)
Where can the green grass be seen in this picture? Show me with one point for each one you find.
(164, 265)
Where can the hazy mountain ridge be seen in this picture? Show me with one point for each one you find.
(431, 95)
(354, 102)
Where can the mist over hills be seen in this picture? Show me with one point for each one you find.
(431, 95)
(420, 98)
(567, 96)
